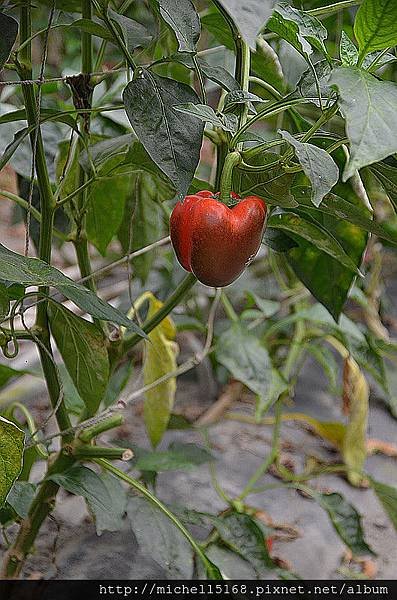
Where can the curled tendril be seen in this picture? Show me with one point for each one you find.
(10, 336)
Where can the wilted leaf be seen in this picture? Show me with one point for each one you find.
(355, 401)
(160, 359)
(83, 348)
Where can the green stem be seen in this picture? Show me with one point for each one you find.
(92, 432)
(212, 571)
(200, 79)
(182, 289)
(231, 161)
(86, 39)
(228, 307)
(243, 61)
(84, 452)
(268, 111)
(117, 38)
(324, 11)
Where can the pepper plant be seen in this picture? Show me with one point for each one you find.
(282, 105)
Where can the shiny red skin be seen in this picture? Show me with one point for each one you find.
(216, 242)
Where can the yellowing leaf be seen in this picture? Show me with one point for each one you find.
(160, 359)
(355, 402)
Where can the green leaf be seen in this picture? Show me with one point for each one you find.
(32, 271)
(277, 240)
(240, 533)
(82, 481)
(91, 27)
(299, 29)
(160, 540)
(388, 498)
(8, 35)
(230, 564)
(12, 147)
(179, 456)
(249, 18)
(172, 139)
(346, 521)
(82, 346)
(239, 97)
(106, 201)
(387, 175)
(181, 16)
(117, 382)
(247, 360)
(355, 402)
(265, 64)
(313, 233)
(207, 114)
(271, 184)
(374, 25)
(4, 301)
(21, 496)
(11, 453)
(160, 360)
(307, 84)
(368, 106)
(112, 520)
(347, 51)
(135, 35)
(317, 164)
(216, 24)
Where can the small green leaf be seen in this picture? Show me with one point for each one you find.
(159, 539)
(11, 453)
(347, 51)
(313, 233)
(172, 139)
(183, 19)
(208, 115)
(388, 498)
(374, 26)
(8, 35)
(368, 106)
(346, 521)
(239, 97)
(7, 373)
(83, 348)
(317, 164)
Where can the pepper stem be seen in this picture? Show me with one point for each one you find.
(231, 161)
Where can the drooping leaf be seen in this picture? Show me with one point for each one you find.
(82, 481)
(368, 106)
(159, 539)
(374, 26)
(160, 359)
(11, 453)
(347, 51)
(183, 19)
(179, 456)
(134, 33)
(346, 521)
(112, 520)
(82, 346)
(249, 17)
(216, 73)
(32, 271)
(207, 114)
(298, 28)
(21, 496)
(317, 164)
(355, 402)
(8, 35)
(172, 139)
(247, 360)
(388, 498)
(313, 233)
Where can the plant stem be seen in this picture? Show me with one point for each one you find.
(182, 289)
(231, 161)
(324, 11)
(117, 38)
(212, 571)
